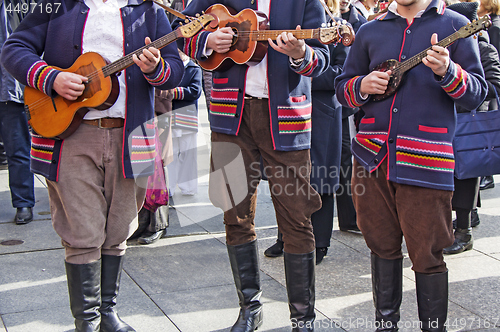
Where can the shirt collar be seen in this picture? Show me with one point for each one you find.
(437, 5)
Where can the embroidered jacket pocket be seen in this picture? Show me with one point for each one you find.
(425, 154)
(295, 118)
(368, 120)
(223, 101)
(435, 130)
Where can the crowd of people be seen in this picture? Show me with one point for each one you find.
(299, 109)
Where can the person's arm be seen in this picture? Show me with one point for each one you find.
(21, 53)
(463, 79)
(167, 66)
(192, 90)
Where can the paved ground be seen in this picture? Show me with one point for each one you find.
(184, 283)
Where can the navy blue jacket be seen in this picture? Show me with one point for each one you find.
(413, 128)
(289, 89)
(326, 135)
(58, 37)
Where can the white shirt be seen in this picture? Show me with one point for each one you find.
(256, 86)
(103, 34)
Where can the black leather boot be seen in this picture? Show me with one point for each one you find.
(245, 266)
(299, 273)
(110, 285)
(387, 288)
(432, 300)
(276, 250)
(463, 242)
(84, 283)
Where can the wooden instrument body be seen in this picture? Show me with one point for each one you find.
(58, 117)
(242, 48)
(395, 78)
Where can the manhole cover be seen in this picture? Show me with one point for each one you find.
(11, 242)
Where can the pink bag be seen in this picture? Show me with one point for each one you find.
(156, 192)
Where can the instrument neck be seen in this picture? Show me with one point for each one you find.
(128, 61)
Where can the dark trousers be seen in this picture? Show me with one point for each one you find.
(236, 173)
(387, 211)
(346, 213)
(322, 221)
(16, 139)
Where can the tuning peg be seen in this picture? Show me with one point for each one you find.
(180, 23)
(197, 15)
(323, 25)
(203, 12)
(186, 20)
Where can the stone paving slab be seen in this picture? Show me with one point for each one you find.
(37, 235)
(216, 308)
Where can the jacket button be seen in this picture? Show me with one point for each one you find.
(54, 161)
(403, 57)
(76, 47)
(395, 110)
(408, 31)
(391, 140)
(376, 161)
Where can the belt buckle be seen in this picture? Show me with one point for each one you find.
(99, 123)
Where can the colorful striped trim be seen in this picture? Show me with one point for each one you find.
(162, 75)
(39, 74)
(294, 127)
(311, 64)
(178, 93)
(42, 149)
(142, 149)
(458, 85)
(371, 141)
(294, 119)
(191, 46)
(185, 121)
(419, 153)
(350, 93)
(302, 112)
(223, 102)
(441, 7)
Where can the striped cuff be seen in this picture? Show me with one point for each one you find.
(309, 63)
(40, 76)
(455, 81)
(178, 93)
(350, 94)
(191, 45)
(162, 74)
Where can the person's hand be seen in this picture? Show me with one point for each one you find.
(375, 83)
(149, 58)
(286, 43)
(69, 85)
(220, 40)
(438, 58)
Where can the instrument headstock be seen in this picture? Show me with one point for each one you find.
(482, 23)
(197, 24)
(338, 32)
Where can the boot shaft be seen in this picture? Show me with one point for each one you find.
(432, 300)
(300, 286)
(84, 284)
(387, 288)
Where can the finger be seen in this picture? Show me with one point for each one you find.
(154, 52)
(147, 40)
(434, 39)
(272, 44)
(147, 54)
